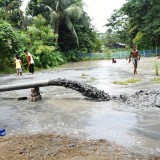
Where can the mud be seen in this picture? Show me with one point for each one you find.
(59, 147)
(90, 92)
(67, 112)
(138, 100)
(141, 99)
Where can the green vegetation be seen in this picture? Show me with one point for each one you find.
(84, 75)
(93, 79)
(126, 82)
(136, 22)
(156, 68)
(55, 32)
(157, 80)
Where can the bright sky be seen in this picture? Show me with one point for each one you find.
(101, 10)
(98, 10)
(25, 2)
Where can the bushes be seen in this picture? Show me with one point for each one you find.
(52, 59)
(39, 40)
(8, 46)
(73, 56)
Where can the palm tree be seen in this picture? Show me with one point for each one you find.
(65, 12)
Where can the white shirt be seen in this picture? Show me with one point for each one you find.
(32, 61)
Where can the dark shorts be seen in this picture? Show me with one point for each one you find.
(31, 68)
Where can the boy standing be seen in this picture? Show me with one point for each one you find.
(30, 61)
(18, 64)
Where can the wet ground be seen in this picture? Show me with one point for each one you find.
(65, 111)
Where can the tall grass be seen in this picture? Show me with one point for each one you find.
(156, 68)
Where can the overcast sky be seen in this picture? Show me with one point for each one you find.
(98, 10)
(101, 10)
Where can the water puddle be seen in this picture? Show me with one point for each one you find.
(66, 111)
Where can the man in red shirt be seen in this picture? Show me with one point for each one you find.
(135, 57)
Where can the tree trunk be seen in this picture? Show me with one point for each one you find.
(57, 33)
(21, 16)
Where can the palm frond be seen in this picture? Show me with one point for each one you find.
(75, 10)
(48, 8)
(72, 29)
(53, 18)
(62, 4)
(57, 5)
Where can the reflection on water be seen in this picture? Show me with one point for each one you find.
(66, 111)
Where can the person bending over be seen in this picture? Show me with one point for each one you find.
(30, 61)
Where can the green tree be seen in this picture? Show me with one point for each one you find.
(138, 22)
(88, 38)
(117, 26)
(41, 41)
(11, 12)
(61, 11)
(8, 44)
(144, 23)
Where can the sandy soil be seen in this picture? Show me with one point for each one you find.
(56, 147)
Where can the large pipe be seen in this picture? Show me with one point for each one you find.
(86, 90)
(20, 86)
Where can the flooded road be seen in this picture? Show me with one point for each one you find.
(66, 111)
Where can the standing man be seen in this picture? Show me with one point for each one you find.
(135, 57)
(30, 61)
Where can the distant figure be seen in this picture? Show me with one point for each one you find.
(113, 60)
(18, 64)
(158, 57)
(135, 57)
(30, 61)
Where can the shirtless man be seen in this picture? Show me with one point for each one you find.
(135, 57)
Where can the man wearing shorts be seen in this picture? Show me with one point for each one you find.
(30, 61)
(134, 55)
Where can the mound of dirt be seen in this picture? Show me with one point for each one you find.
(56, 147)
(141, 99)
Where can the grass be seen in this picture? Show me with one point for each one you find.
(84, 75)
(126, 82)
(157, 80)
(156, 68)
(93, 79)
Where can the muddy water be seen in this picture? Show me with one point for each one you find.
(66, 111)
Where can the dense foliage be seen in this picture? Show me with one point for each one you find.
(137, 22)
(7, 44)
(53, 31)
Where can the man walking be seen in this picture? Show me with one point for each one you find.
(30, 61)
(135, 57)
